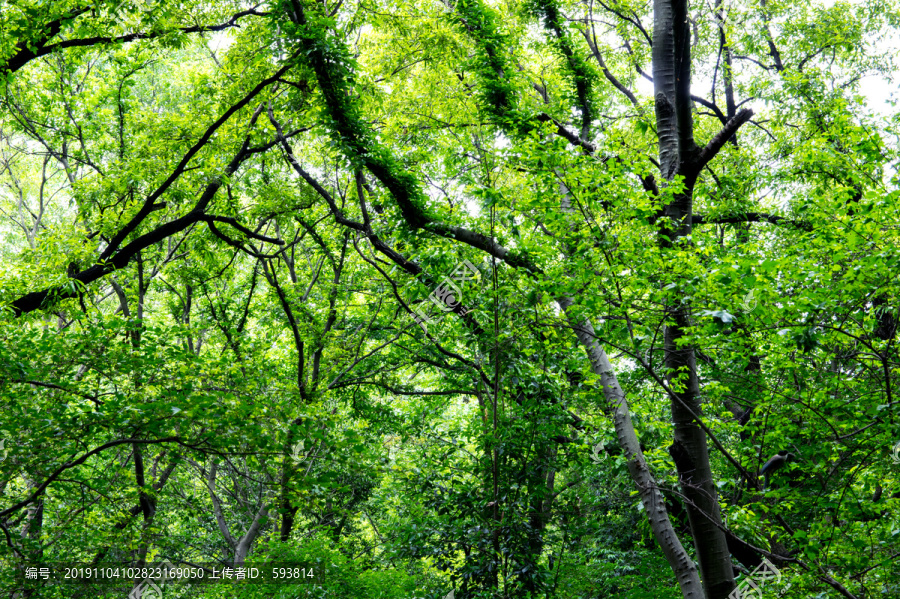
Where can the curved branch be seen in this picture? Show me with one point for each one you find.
(606, 72)
(209, 218)
(58, 472)
(38, 299)
(712, 106)
(182, 165)
(26, 54)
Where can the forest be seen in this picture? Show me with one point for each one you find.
(449, 299)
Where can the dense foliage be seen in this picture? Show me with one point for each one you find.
(452, 299)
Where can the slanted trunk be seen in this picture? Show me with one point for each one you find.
(648, 489)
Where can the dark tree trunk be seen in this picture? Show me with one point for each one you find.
(680, 156)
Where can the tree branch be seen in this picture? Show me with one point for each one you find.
(209, 218)
(750, 217)
(58, 472)
(721, 138)
(26, 54)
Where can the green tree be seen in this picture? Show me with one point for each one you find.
(511, 298)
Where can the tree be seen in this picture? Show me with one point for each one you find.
(471, 227)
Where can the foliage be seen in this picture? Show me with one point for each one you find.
(225, 229)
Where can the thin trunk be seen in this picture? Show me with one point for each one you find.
(616, 406)
(648, 489)
(491, 510)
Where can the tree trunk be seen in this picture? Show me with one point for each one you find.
(648, 489)
(679, 156)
